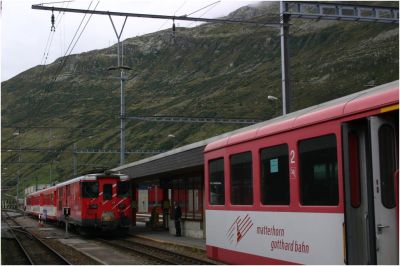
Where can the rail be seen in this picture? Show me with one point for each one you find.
(35, 250)
(161, 255)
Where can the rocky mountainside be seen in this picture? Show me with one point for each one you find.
(213, 70)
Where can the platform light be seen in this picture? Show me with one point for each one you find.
(272, 98)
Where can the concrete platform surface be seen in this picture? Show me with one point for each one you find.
(163, 236)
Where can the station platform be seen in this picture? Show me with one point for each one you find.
(165, 237)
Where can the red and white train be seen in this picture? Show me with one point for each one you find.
(317, 186)
(101, 201)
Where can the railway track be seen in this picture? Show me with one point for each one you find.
(34, 249)
(160, 255)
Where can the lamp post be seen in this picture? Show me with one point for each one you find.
(51, 136)
(16, 134)
(173, 140)
(285, 59)
(275, 99)
(272, 98)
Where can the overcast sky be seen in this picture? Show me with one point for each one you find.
(25, 32)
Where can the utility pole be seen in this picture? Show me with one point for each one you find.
(345, 12)
(121, 67)
(324, 11)
(17, 135)
(120, 47)
(51, 162)
(285, 59)
(74, 163)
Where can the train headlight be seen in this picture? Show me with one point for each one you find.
(107, 217)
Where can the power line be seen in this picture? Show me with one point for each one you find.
(54, 127)
(208, 10)
(27, 163)
(63, 61)
(117, 151)
(203, 8)
(56, 150)
(176, 11)
(92, 150)
(181, 119)
(51, 37)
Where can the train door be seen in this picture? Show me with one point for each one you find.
(370, 162)
(60, 198)
(384, 166)
(67, 195)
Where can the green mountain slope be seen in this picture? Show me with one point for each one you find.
(214, 70)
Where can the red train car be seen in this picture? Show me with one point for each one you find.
(100, 201)
(317, 186)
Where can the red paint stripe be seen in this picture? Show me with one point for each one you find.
(248, 220)
(246, 230)
(233, 224)
(233, 257)
(243, 219)
(117, 204)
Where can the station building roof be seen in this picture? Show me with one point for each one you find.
(185, 159)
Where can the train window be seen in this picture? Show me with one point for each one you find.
(217, 184)
(107, 191)
(387, 155)
(90, 189)
(123, 189)
(354, 165)
(275, 189)
(318, 171)
(241, 179)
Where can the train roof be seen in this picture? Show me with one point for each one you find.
(361, 101)
(88, 177)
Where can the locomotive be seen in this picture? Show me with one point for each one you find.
(93, 201)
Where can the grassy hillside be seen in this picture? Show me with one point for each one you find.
(214, 70)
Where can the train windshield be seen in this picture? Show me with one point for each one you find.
(90, 189)
(123, 189)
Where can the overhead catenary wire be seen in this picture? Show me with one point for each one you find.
(51, 37)
(56, 73)
(176, 11)
(210, 7)
(213, 4)
(63, 62)
(151, 16)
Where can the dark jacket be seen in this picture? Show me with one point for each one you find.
(177, 213)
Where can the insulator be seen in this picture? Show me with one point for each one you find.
(52, 22)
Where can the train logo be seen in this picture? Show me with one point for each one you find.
(239, 229)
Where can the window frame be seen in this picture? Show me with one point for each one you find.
(261, 177)
(82, 191)
(128, 193)
(104, 192)
(253, 200)
(354, 170)
(388, 195)
(337, 170)
(223, 179)
(184, 190)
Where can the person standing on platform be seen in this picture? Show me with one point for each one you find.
(177, 218)
(166, 207)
